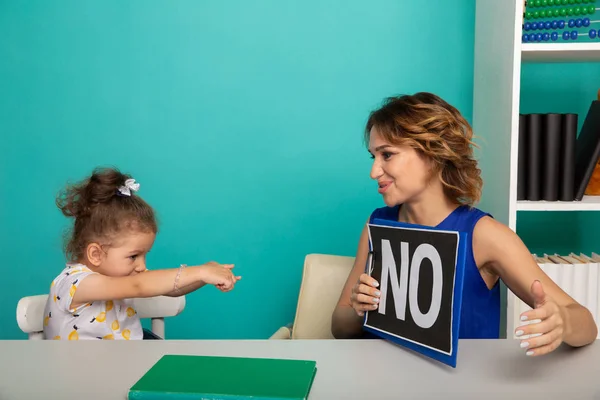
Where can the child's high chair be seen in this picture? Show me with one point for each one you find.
(30, 313)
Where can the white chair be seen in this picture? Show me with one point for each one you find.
(323, 279)
(30, 313)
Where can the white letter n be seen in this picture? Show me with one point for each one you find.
(388, 268)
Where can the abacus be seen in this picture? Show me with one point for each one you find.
(544, 19)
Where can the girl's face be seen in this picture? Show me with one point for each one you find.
(402, 174)
(125, 256)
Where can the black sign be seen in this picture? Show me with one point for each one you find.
(417, 272)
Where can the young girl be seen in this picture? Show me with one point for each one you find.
(114, 229)
(425, 170)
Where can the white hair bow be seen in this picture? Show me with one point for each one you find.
(130, 185)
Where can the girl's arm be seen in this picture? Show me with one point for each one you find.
(97, 287)
(195, 286)
(499, 251)
(182, 291)
(185, 290)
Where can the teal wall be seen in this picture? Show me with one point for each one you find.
(560, 88)
(242, 121)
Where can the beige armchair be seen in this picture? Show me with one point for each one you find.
(322, 281)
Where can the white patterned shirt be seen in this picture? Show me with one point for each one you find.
(108, 320)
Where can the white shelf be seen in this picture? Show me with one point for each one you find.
(499, 57)
(560, 52)
(588, 203)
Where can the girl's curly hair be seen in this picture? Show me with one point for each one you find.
(99, 212)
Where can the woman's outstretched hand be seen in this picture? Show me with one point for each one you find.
(548, 332)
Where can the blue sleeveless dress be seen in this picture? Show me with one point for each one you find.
(480, 314)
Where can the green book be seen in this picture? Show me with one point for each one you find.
(187, 377)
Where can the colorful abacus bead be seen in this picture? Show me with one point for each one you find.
(550, 3)
(555, 24)
(571, 8)
(592, 34)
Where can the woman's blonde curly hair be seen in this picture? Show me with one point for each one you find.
(437, 131)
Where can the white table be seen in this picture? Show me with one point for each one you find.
(362, 369)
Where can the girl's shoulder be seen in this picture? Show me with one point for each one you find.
(72, 270)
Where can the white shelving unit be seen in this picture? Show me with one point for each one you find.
(560, 52)
(499, 55)
(588, 203)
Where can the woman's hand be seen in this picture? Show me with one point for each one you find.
(548, 332)
(365, 296)
(219, 275)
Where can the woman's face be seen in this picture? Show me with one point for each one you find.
(402, 174)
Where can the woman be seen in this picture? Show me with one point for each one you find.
(427, 175)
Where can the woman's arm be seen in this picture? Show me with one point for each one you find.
(346, 322)
(151, 283)
(498, 250)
